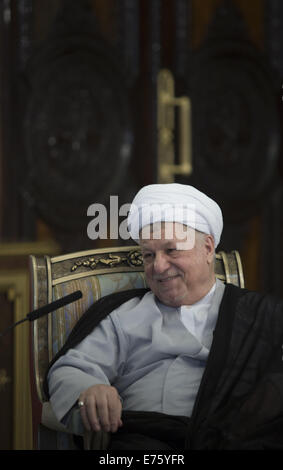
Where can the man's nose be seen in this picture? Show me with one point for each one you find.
(161, 263)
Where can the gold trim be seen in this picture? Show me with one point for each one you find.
(166, 100)
(132, 258)
(97, 251)
(49, 278)
(35, 327)
(240, 268)
(17, 282)
(49, 299)
(226, 266)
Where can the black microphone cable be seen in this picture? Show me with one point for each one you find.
(67, 299)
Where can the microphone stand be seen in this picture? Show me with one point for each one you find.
(46, 309)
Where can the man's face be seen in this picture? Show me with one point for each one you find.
(178, 276)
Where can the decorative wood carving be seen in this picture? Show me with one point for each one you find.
(133, 259)
(235, 122)
(78, 138)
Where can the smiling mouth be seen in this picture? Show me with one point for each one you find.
(169, 278)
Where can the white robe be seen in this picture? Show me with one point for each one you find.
(145, 351)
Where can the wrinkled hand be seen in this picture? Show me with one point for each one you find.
(102, 408)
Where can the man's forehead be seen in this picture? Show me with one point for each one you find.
(162, 243)
(165, 231)
(167, 235)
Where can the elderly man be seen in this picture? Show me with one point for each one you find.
(191, 363)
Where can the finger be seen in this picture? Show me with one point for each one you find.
(89, 415)
(93, 415)
(84, 418)
(114, 411)
(103, 412)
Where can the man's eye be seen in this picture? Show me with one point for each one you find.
(171, 251)
(147, 256)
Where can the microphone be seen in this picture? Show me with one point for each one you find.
(39, 312)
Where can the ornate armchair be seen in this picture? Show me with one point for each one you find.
(96, 273)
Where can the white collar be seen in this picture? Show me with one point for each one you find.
(204, 300)
(195, 316)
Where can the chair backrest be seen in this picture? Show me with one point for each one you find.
(95, 273)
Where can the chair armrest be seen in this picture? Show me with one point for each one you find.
(49, 419)
(92, 440)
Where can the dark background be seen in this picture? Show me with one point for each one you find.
(78, 122)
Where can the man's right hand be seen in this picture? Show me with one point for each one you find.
(102, 408)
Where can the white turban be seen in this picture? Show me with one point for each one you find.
(175, 203)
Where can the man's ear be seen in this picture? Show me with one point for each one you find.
(210, 248)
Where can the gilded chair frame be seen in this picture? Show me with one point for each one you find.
(120, 267)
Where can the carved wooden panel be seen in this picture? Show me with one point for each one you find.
(77, 129)
(235, 120)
